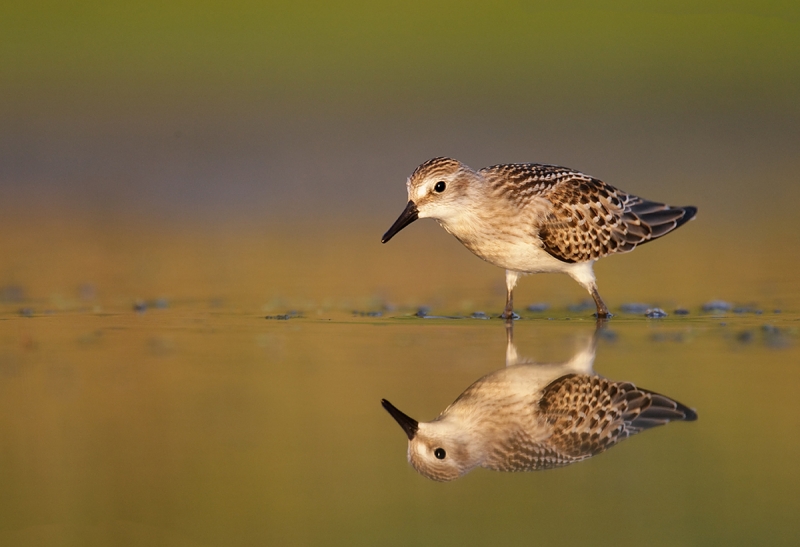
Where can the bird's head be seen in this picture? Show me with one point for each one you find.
(439, 450)
(439, 188)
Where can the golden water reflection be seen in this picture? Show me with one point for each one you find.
(145, 398)
(531, 416)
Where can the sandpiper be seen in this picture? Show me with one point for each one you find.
(521, 419)
(534, 218)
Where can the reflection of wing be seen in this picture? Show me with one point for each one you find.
(589, 414)
(586, 219)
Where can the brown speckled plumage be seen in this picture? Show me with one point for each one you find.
(588, 218)
(515, 419)
(589, 414)
(535, 218)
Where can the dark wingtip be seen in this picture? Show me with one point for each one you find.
(688, 214)
(690, 415)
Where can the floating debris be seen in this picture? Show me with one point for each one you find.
(655, 313)
(422, 311)
(747, 309)
(140, 306)
(608, 335)
(717, 305)
(285, 317)
(539, 307)
(582, 306)
(681, 311)
(357, 313)
(770, 329)
(636, 308)
(745, 337)
(775, 338)
(480, 315)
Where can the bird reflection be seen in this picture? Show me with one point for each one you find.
(531, 416)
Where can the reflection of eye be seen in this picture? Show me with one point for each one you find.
(439, 453)
(440, 186)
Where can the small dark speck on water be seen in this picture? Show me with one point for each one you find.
(681, 311)
(717, 305)
(775, 337)
(581, 306)
(655, 313)
(140, 306)
(634, 307)
(745, 337)
(479, 315)
(357, 313)
(608, 335)
(422, 311)
(284, 317)
(747, 309)
(539, 307)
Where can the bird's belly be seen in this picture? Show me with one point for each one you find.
(524, 257)
(513, 248)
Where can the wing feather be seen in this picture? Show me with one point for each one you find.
(585, 218)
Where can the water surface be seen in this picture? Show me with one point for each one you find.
(200, 425)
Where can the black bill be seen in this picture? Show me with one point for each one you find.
(409, 215)
(409, 424)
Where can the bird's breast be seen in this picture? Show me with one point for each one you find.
(509, 245)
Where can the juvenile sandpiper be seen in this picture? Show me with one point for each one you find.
(532, 416)
(533, 218)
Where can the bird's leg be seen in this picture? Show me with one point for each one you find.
(511, 349)
(511, 281)
(602, 310)
(508, 312)
(582, 273)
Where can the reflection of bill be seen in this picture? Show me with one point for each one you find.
(527, 417)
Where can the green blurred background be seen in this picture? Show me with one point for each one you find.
(212, 110)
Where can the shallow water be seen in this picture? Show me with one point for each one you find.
(196, 424)
(221, 385)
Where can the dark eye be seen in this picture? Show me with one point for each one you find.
(439, 188)
(439, 452)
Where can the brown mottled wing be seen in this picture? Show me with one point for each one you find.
(589, 414)
(587, 218)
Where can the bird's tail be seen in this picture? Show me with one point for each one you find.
(649, 220)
